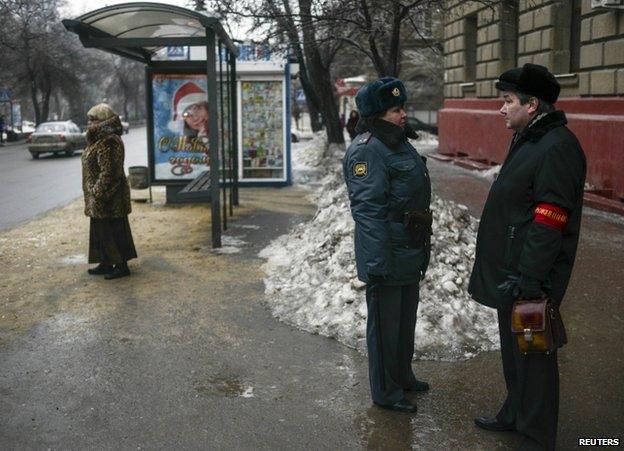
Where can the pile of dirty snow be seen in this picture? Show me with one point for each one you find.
(307, 159)
(311, 279)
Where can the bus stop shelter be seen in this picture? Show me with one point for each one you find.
(178, 92)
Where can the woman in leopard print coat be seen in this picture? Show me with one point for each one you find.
(107, 194)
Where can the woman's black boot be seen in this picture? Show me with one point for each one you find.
(100, 269)
(120, 270)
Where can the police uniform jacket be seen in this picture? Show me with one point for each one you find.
(385, 175)
(531, 219)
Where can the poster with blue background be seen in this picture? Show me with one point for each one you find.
(181, 114)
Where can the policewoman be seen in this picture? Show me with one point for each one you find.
(526, 244)
(389, 193)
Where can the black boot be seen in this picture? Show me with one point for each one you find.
(100, 269)
(418, 386)
(120, 270)
(401, 406)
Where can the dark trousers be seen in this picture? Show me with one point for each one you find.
(390, 329)
(532, 380)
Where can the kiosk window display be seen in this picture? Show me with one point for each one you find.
(262, 130)
(264, 118)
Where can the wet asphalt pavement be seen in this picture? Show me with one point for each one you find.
(196, 361)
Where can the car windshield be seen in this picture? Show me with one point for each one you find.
(50, 127)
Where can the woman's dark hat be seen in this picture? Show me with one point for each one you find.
(530, 79)
(380, 95)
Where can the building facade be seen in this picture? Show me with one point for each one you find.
(580, 41)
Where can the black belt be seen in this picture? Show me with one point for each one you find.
(399, 216)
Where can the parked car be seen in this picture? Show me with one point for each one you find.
(56, 137)
(28, 127)
(419, 125)
(125, 125)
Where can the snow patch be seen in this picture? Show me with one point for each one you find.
(77, 259)
(489, 174)
(247, 393)
(230, 245)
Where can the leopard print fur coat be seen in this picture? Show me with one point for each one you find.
(104, 183)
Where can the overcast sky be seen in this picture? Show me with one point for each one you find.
(75, 8)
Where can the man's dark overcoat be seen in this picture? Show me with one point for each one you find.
(545, 164)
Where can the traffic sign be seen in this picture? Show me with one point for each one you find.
(300, 96)
(5, 95)
(177, 52)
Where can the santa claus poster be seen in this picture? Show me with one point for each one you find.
(181, 112)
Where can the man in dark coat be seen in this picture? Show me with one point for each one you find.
(389, 192)
(527, 242)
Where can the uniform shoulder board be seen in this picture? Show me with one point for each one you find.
(364, 138)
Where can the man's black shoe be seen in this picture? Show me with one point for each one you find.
(100, 270)
(400, 406)
(119, 271)
(418, 386)
(492, 424)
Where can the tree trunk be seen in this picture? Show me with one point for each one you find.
(35, 102)
(287, 23)
(320, 76)
(136, 107)
(45, 104)
(395, 43)
(315, 117)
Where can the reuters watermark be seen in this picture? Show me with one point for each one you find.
(586, 441)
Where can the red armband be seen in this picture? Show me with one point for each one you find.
(551, 216)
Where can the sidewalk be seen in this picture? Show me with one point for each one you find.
(9, 144)
(183, 354)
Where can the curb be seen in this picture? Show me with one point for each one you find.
(464, 162)
(603, 203)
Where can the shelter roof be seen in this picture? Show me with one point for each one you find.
(139, 30)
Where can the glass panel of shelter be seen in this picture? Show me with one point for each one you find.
(115, 23)
(161, 31)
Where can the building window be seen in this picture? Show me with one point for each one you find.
(575, 35)
(470, 36)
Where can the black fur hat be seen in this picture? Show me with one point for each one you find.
(380, 95)
(531, 79)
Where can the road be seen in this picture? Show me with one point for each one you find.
(30, 187)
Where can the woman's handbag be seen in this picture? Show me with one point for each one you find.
(538, 326)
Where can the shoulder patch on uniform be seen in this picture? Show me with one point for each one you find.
(364, 138)
(360, 169)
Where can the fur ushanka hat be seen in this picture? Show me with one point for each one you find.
(380, 95)
(530, 79)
